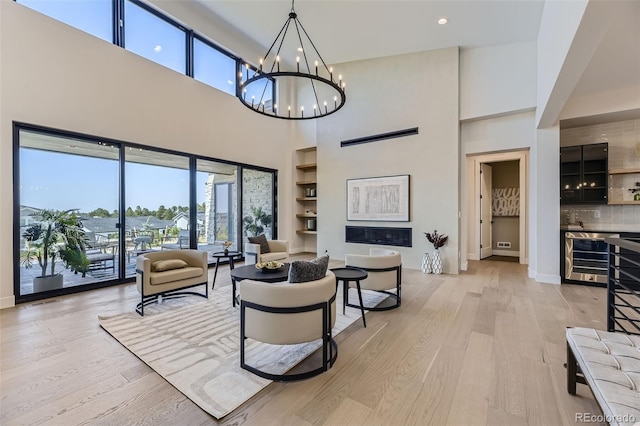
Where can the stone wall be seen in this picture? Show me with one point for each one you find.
(257, 192)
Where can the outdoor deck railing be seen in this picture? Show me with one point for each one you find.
(623, 286)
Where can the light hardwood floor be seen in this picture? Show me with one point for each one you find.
(483, 347)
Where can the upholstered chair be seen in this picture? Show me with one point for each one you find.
(286, 314)
(277, 250)
(168, 273)
(384, 268)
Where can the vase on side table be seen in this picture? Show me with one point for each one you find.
(426, 264)
(436, 263)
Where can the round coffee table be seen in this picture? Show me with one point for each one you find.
(249, 272)
(222, 255)
(347, 275)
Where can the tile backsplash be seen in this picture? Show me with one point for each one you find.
(591, 216)
(623, 138)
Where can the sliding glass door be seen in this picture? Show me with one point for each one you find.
(257, 203)
(157, 203)
(217, 202)
(69, 192)
(86, 208)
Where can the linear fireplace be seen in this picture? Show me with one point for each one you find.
(385, 236)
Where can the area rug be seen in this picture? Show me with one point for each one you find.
(195, 346)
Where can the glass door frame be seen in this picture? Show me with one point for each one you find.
(121, 146)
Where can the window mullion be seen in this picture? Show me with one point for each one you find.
(189, 48)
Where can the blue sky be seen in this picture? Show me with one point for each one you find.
(62, 181)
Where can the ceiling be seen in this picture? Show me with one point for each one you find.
(345, 31)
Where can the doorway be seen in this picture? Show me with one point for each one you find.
(497, 206)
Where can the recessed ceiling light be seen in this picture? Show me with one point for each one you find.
(300, 49)
(158, 48)
(442, 21)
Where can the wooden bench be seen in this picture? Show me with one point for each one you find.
(609, 363)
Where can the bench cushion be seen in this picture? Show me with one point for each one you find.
(610, 362)
(164, 277)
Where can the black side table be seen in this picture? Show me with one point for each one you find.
(347, 275)
(222, 255)
(249, 272)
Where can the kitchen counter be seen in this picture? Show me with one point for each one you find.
(603, 227)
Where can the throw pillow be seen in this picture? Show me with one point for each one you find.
(302, 271)
(262, 240)
(167, 265)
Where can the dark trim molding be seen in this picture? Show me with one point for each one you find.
(380, 137)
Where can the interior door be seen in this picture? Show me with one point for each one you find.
(486, 218)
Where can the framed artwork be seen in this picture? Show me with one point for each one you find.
(383, 198)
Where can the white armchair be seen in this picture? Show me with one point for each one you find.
(384, 268)
(286, 314)
(279, 250)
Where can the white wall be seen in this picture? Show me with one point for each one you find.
(54, 75)
(387, 94)
(547, 196)
(493, 137)
(570, 33)
(497, 79)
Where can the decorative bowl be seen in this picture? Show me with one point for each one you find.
(270, 266)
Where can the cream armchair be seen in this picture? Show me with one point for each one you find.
(279, 250)
(385, 273)
(167, 273)
(287, 314)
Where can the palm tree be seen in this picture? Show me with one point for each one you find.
(50, 236)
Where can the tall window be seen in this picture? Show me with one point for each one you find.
(154, 38)
(257, 203)
(213, 67)
(217, 202)
(93, 17)
(155, 219)
(259, 92)
(63, 178)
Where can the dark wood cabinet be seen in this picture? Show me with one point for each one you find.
(584, 174)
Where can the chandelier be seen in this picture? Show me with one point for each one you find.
(317, 92)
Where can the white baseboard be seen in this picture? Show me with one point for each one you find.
(7, 302)
(464, 265)
(548, 278)
(473, 256)
(296, 250)
(506, 253)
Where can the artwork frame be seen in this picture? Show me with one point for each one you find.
(382, 198)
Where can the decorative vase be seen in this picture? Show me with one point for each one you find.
(426, 264)
(226, 251)
(436, 263)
